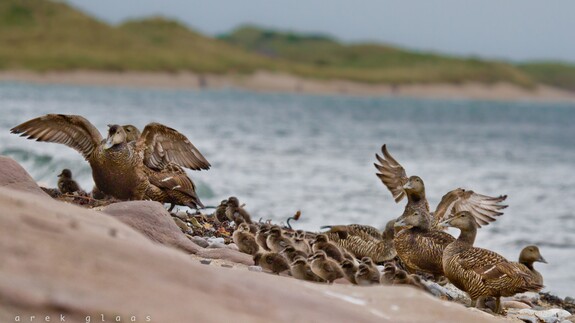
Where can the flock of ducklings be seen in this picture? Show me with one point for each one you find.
(148, 165)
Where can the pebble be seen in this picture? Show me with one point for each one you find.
(448, 291)
(216, 245)
(206, 261)
(569, 299)
(199, 241)
(515, 304)
(554, 315)
(255, 268)
(227, 266)
(528, 296)
(181, 215)
(181, 224)
(216, 240)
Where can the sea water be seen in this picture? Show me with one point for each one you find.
(279, 153)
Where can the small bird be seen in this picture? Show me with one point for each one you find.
(325, 267)
(276, 240)
(367, 273)
(290, 252)
(349, 268)
(235, 212)
(220, 212)
(300, 242)
(527, 257)
(245, 240)
(403, 278)
(66, 184)
(262, 236)
(271, 261)
(300, 269)
(331, 249)
(388, 275)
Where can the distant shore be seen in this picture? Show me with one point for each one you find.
(279, 82)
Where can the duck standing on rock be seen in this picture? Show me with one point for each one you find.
(66, 184)
(481, 272)
(326, 268)
(484, 208)
(140, 169)
(527, 257)
(245, 240)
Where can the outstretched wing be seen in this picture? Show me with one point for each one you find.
(391, 173)
(483, 208)
(163, 145)
(71, 130)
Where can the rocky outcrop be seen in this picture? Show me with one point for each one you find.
(12, 175)
(63, 260)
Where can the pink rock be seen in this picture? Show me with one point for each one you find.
(12, 175)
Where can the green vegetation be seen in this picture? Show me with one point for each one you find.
(43, 35)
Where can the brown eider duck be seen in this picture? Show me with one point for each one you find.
(126, 171)
(483, 208)
(420, 248)
(527, 257)
(481, 272)
(66, 184)
(365, 241)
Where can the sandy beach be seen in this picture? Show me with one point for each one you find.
(265, 81)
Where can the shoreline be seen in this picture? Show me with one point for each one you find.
(263, 81)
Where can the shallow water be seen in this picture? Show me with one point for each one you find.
(280, 153)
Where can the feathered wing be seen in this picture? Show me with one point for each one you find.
(484, 208)
(173, 177)
(163, 145)
(360, 230)
(391, 173)
(71, 130)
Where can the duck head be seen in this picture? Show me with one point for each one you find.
(116, 135)
(66, 173)
(414, 185)
(132, 133)
(462, 220)
(530, 254)
(413, 219)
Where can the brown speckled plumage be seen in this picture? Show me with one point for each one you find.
(271, 261)
(480, 272)
(321, 242)
(419, 248)
(365, 241)
(119, 168)
(325, 267)
(484, 208)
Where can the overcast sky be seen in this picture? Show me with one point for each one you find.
(508, 29)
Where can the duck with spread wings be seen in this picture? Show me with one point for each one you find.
(139, 169)
(483, 208)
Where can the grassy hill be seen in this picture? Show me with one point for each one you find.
(42, 35)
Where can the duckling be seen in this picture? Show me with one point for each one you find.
(290, 252)
(365, 241)
(349, 268)
(300, 242)
(403, 278)
(276, 240)
(481, 272)
(300, 269)
(245, 240)
(235, 212)
(367, 273)
(527, 257)
(332, 250)
(388, 275)
(271, 261)
(484, 208)
(66, 184)
(325, 267)
(220, 212)
(262, 236)
(420, 248)
(119, 168)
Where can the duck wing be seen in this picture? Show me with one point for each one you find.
(391, 173)
(163, 145)
(483, 208)
(73, 131)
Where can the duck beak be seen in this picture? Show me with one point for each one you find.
(400, 223)
(109, 143)
(407, 186)
(541, 259)
(444, 223)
